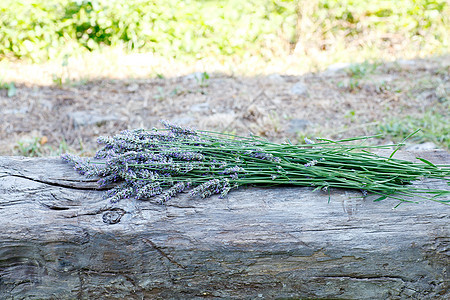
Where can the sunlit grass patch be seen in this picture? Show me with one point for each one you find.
(434, 125)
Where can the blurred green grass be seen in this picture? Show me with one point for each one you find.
(302, 35)
(434, 127)
(38, 30)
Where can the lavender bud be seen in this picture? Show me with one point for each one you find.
(106, 140)
(311, 163)
(235, 169)
(178, 130)
(225, 192)
(262, 155)
(82, 165)
(167, 194)
(120, 192)
(206, 189)
(108, 180)
(184, 155)
(149, 190)
(308, 141)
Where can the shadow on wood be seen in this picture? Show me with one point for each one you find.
(59, 239)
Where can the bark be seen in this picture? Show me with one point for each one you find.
(60, 240)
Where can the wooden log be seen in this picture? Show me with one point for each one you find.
(60, 240)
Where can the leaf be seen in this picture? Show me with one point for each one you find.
(403, 143)
(426, 162)
(11, 90)
(380, 198)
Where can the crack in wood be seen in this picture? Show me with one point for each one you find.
(177, 206)
(56, 184)
(87, 272)
(54, 207)
(365, 277)
(80, 292)
(92, 213)
(165, 205)
(333, 229)
(11, 203)
(154, 246)
(17, 284)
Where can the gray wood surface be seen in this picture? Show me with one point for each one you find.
(60, 240)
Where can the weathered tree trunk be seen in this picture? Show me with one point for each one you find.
(59, 239)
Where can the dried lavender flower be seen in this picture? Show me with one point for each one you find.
(235, 169)
(146, 163)
(311, 163)
(169, 193)
(149, 190)
(178, 130)
(207, 188)
(184, 155)
(107, 180)
(82, 165)
(122, 191)
(262, 155)
(308, 141)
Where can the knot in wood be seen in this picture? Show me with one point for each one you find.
(113, 216)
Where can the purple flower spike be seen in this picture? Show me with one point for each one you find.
(178, 130)
(311, 163)
(308, 141)
(167, 194)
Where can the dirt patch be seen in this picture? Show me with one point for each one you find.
(340, 102)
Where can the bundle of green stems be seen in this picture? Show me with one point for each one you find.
(164, 162)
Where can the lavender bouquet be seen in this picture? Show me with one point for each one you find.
(161, 163)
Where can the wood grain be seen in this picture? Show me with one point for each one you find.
(60, 240)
